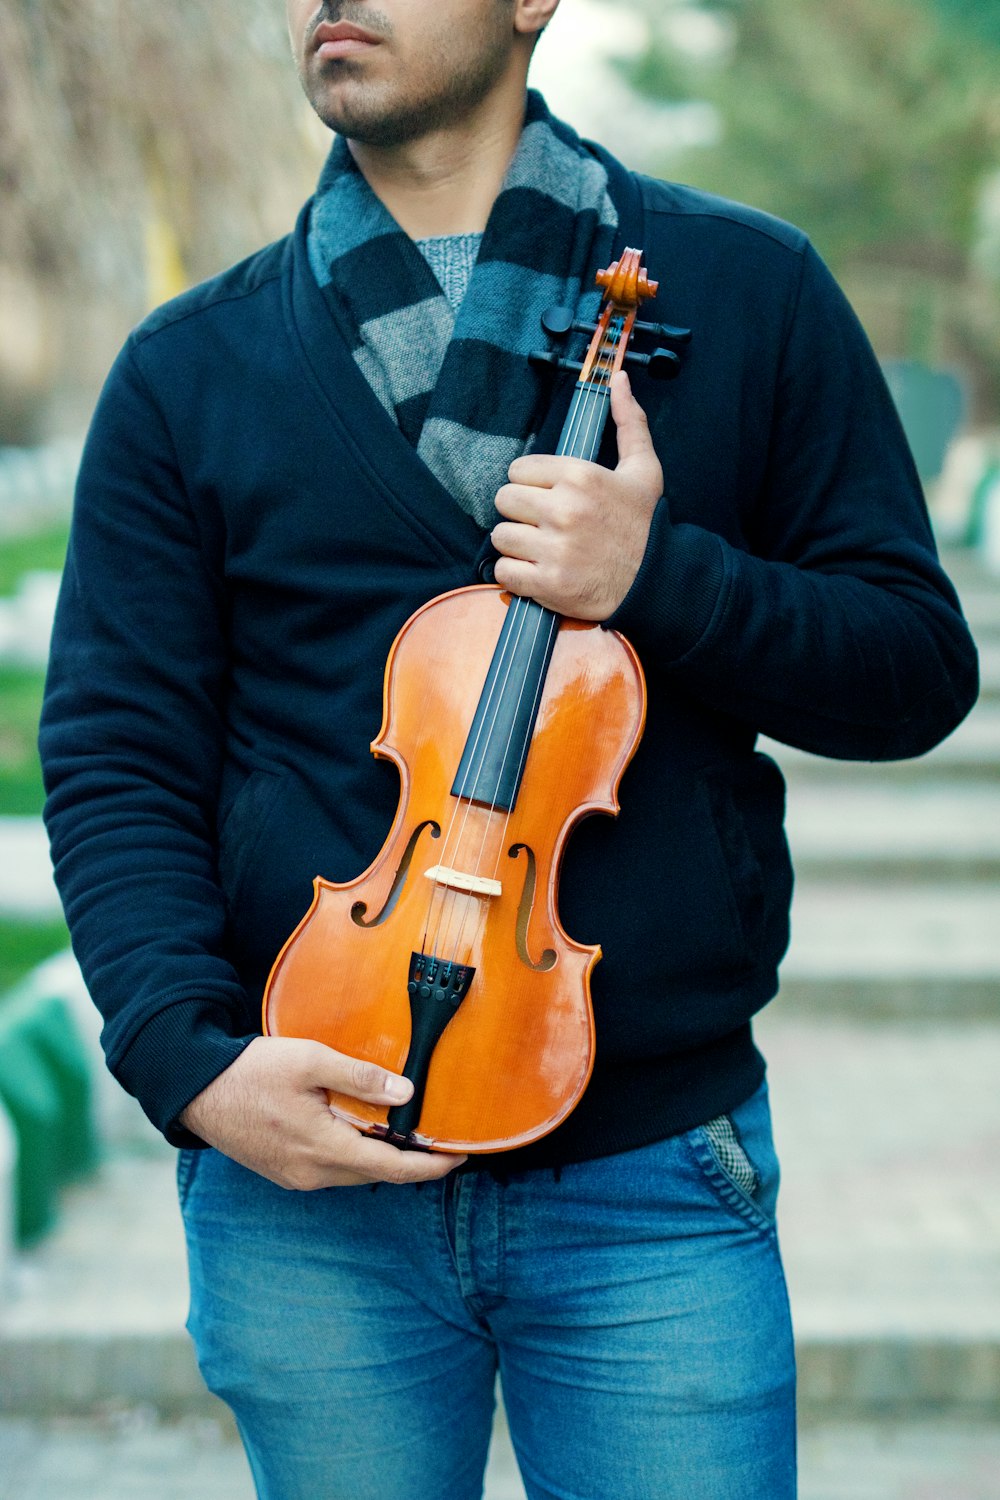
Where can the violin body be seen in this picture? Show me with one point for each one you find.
(473, 884)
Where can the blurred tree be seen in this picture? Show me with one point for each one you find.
(979, 18)
(873, 126)
(870, 125)
(141, 146)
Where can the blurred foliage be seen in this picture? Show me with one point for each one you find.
(24, 945)
(873, 126)
(114, 114)
(21, 790)
(38, 550)
(979, 19)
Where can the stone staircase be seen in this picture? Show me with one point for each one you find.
(883, 1048)
(884, 1051)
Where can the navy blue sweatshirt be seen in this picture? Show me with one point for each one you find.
(250, 532)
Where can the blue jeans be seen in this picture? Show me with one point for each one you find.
(635, 1309)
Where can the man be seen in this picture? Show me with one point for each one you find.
(285, 463)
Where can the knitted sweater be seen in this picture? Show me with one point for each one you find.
(251, 531)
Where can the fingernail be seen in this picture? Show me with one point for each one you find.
(398, 1088)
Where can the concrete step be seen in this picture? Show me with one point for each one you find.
(890, 1225)
(933, 830)
(131, 1452)
(972, 752)
(981, 606)
(903, 949)
(989, 670)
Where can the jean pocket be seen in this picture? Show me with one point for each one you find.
(730, 1155)
(187, 1165)
(736, 1155)
(243, 831)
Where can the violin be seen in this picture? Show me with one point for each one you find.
(446, 960)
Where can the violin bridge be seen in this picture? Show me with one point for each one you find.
(458, 880)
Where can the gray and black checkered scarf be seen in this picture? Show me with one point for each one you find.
(459, 387)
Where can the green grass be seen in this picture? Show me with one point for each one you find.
(24, 944)
(21, 687)
(21, 789)
(24, 554)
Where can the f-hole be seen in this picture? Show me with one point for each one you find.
(360, 907)
(548, 957)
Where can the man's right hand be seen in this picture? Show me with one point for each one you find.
(269, 1112)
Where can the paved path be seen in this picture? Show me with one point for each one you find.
(889, 1132)
(129, 1455)
(890, 1224)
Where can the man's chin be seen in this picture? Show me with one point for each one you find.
(345, 109)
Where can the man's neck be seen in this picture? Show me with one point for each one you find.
(446, 182)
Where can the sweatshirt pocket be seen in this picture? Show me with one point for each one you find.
(243, 831)
(741, 868)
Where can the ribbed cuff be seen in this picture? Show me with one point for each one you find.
(176, 1054)
(676, 592)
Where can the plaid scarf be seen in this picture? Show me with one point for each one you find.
(459, 387)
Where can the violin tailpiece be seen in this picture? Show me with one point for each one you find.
(436, 988)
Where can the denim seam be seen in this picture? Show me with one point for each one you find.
(463, 1223)
(501, 1207)
(187, 1166)
(448, 1187)
(722, 1185)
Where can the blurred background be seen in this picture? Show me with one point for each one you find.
(145, 148)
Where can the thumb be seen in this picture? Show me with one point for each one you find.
(329, 1069)
(634, 441)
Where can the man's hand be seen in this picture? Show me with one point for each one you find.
(269, 1112)
(576, 532)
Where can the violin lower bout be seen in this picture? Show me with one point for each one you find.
(459, 881)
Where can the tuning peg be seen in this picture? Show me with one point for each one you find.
(677, 337)
(554, 361)
(557, 322)
(662, 364)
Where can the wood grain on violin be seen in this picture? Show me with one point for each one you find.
(446, 960)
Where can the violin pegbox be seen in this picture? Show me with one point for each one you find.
(626, 286)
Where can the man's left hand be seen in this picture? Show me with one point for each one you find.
(575, 532)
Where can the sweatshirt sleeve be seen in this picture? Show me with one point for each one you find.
(836, 631)
(131, 743)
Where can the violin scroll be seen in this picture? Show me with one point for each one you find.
(626, 285)
(625, 281)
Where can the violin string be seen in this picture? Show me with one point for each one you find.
(488, 819)
(436, 891)
(581, 430)
(440, 894)
(586, 420)
(449, 899)
(554, 623)
(595, 408)
(444, 896)
(603, 368)
(589, 414)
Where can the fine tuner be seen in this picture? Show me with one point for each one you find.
(664, 363)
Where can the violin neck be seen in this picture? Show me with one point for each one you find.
(493, 761)
(586, 419)
(588, 411)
